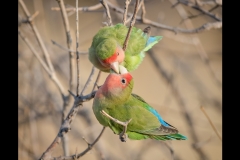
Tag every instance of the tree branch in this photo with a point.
(77, 44)
(89, 80)
(44, 65)
(84, 9)
(204, 27)
(200, 49)
(76, 156)
(66, 125)
(39, 39)
(69, 42)
(66, 49)
(127, 2)
(187, 3)
(209, 120)
(169, 80)
(105, 5)
(131, 25)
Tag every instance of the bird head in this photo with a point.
(110, 54)
(118, 87)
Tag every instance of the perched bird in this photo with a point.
(127, 114)
(106, 49)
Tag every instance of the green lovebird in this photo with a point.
(106, 49)
(115, 99)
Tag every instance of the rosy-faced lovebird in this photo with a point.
(106, 49)
(116, 99)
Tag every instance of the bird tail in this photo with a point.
(152, 41)
(168, 137)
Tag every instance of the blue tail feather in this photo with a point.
(152, 41)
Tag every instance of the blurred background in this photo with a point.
(178, 75)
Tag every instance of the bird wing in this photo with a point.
(163, 129)
(152, 41)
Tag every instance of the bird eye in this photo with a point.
(123, 81)
(118, 53)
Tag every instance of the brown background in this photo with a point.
(179, 55)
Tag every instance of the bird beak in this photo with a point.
(123, 70)
(115, 67)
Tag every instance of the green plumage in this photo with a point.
(119, 103)
(109, 37)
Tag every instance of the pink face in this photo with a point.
(118, 56)
(114, 83)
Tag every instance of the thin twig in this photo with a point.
(89, 80)
(131, 25)
(127, 2)
(187, 3)
(169, 80)
(44, 65)
(39, 39)
(77, 44)
(200, 49)
(66, 49)
(71, 69)
(105, 5)
(139, 6)
(84, 9)
(209, 120)
(204, 27)
(69, 42)
(90, 146)
(65, 127)
(97, 79)
(195, 16)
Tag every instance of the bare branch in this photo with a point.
(97, 79)
(66, 125)
(139, 6)
(131, 25)
(187, 3)
(204, 27)
(71, 68)
(125, 11)
(66, 49)
(200, 49)
(77, 44)
(209, 120)
(73, 157)
(84, 9)
(39, 39)
(195, 16)
(213, 2)
(44, 65)
(89, 80)
(169, 80)
(33, 16)
(69, 42)
(105, 5)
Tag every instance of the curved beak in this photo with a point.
(122, 69)
(115, 67)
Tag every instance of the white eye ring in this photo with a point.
(123, 80)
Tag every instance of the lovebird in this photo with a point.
(106, 49)
(116, 100)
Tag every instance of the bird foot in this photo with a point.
(122, 135)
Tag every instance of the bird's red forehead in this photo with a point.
(111, 59)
